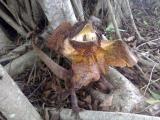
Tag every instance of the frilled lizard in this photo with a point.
(90, 57)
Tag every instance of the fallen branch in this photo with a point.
(66, 114)
(13, 104)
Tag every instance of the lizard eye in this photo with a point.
(84, 38)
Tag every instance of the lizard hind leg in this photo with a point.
(74, 102)
(103, 85)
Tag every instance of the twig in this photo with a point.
(145, 109)
(154, 58)
(152, 82)
(114, 19)
(150, 79)
(145, 56)
(42, 82)
(147, 42)
(148, 62)
(140, 69)
(29, 78)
